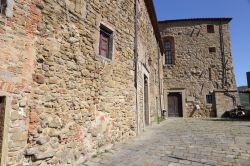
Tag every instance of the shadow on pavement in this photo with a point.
(228, 119)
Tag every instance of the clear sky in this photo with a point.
(239, 10)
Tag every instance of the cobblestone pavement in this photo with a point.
(178, 142)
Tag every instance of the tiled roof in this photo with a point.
(228, 19)
(245, 90)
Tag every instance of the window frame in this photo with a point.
(105, 31)
(209, 99)
(170, 58)
(210, 29)
(3, 6)
(212, 50)
(210, 74)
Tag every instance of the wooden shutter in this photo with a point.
(104, 44)
(3, 5)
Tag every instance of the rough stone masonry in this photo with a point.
(201, 68)
(62, 97)
(77, 76)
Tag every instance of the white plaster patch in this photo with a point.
(9, 9)
(21, 111)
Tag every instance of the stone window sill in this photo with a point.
(168, 65)
(104, 59)
(209, 105)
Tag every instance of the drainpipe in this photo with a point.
(159, 80)
(224, 66)
(136, 62)
(223, 59)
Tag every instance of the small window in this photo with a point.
(212, 49)
(3, 5)
(106, 42)
(155, 76)
(209, 99)
(210, 74)
(210, 29)
(169, 50)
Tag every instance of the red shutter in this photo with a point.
(104, 45)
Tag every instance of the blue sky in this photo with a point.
(239, 10)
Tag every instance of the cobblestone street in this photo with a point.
(177, 142)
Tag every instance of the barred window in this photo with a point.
(209, 99)
(169, 50)
(212, 50)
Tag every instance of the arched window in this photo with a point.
(169, 50)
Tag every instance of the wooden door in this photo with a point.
(174, 105)
(2, 115)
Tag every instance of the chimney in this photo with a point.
(248, 79)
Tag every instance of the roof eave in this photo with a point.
(154, 21)
(227, 19)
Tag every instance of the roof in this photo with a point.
(154, 21)
(245, 90)
(227, 19)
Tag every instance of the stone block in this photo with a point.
(44, 155)
(19, 136)
(38, 78)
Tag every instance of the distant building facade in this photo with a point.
(245, 92)
(198, 72)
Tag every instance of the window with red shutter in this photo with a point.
(3, 5)
(105, 45)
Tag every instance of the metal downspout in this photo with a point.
(224, 67)
(223, 59)
(136, 62)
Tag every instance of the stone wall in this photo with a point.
(148, 51)
(224, 103)
(83, 101)
(194, 62)
(66, 100)
(17, 45)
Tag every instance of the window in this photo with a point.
(209, 99)
(106, 42)
(210, 74)
(210, 29)
(3, 5)
(212, 50)
(155, 76)
(169, 50)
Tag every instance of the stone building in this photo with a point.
(244, 92)
(75, 77)
(198, 72)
